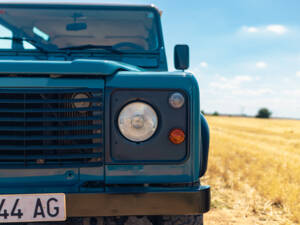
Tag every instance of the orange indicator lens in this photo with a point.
(176, 136)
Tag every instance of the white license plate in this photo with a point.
(32, 207)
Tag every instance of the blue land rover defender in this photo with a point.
(93, 127)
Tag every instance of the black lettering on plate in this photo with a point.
(2, 203)
(19, 214)
(38, 211)
(56, 209)
(4, 214)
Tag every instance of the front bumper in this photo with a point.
(154, 203)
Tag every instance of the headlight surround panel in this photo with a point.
(158, 148)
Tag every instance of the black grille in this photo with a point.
(42, 127)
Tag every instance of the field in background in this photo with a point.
(254, 170)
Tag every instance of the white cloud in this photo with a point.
(264, 91)
(292, 93)
(261, 65)
(221, 85)
(230, 84)
(272, 28)
(223, 79)
(239, 86)
(298, 73)
(277, 29)
(198, 68)
(203, 64)
(253, 92)
(257, 78)
(250, 29)
(240, 79)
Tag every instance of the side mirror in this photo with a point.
(181, 57)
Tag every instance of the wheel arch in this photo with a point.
(205, 139)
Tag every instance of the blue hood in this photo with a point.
(76, 67)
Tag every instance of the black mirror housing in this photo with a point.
(181, 57)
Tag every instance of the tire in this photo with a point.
(154, 220)
(182, 220)
(127, 220)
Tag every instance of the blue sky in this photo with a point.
(244, 53)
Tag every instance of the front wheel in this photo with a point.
(154, 220)
(182, 220)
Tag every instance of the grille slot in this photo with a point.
(41, 127)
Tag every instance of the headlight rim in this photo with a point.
(157, 119)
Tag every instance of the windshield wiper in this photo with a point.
(89, 46)
(30, 40)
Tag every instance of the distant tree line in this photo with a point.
(262, 113)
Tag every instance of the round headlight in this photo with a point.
(137, 121)
(81, 104)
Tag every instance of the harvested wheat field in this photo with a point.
(254, 171)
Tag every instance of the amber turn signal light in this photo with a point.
(177, 136)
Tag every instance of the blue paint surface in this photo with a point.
(76, 67)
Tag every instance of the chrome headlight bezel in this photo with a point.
(137, 121)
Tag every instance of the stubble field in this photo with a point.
(254, 171)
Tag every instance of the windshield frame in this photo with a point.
(87, 6)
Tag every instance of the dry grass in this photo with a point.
(259, 161)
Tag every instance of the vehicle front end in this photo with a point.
(91, 130)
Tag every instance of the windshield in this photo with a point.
(124, 29)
